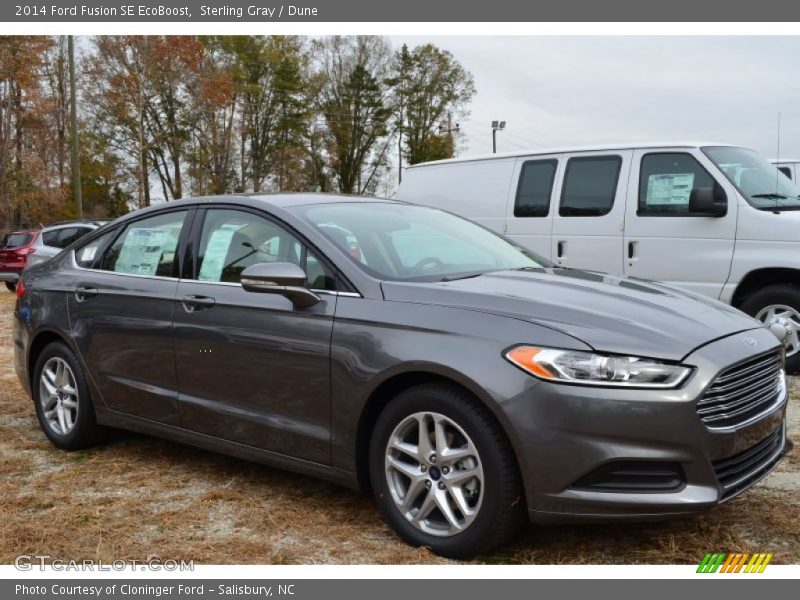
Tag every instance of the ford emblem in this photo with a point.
(750, 341)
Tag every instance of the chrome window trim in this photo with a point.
(76, 266)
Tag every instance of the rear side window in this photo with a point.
(147, 247)
(71, 234)
(88, 256)
(15, 240)
(50, 238)
(666, 182)
(534, 188)
(590, 185)
(786, 171)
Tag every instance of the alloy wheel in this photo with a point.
(58, 395)
(434, 474)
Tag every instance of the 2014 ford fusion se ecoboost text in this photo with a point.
(464, 381)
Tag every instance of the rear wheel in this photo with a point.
(778, 307)
(11, 286)
(61, 396)
(443, 472)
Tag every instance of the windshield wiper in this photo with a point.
(771, 196)
(457, 276)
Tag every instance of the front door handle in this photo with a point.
(561, 247)
(193, 303)
(632, 248)
(84, 293)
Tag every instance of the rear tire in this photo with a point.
(11, 286)
(783, 300)
(61, 397)
(485, 482)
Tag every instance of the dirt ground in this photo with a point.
(138, 497)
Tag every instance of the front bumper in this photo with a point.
(569, 431)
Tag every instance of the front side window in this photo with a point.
(666, 183)
(535, 186)
(233, 240)
(147, 246)
(590, 186)
(50, 238)
(400, 242)
(761, 184)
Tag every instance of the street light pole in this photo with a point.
(496, 126)
(76, 155)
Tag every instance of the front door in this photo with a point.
(253, 368)
(664, 241)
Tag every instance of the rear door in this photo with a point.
(529, 218)
(663, 240)
(121, 314)
(588, 224)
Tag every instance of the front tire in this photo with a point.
(61, 396)
(443, 472)
(778, 307)
(11, 286)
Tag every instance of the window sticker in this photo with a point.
(141, 252)
(87, 254)
(216, 251)
(672, 188)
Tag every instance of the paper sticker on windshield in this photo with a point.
(141, 252)
(87, 254)
(216, 252)
(673, 188)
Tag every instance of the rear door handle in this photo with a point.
(560, 247)
(632, 247)
(84, 293)
(193, 303)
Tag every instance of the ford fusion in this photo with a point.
(465, 382)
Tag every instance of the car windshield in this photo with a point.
(15, 240)
(761, 183)
(402, 242)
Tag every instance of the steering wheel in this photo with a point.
(425, 262)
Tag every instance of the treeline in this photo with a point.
(162, 117)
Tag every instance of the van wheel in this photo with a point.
(443, 472)
(62, 401)
(11, 286)
(778, 307)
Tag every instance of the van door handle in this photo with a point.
(193, 303)
(84, 293)
(560, 247)
(632, 247)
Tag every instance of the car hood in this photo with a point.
(620, 316)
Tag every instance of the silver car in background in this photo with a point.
(55, 238)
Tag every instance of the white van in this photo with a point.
(788, 166)
(714, 219)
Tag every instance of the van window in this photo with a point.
(666, 182)
(786, 171)
(535, 186)
(590, 185)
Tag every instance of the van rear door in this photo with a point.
(663, 240)
(529, 211)
(588, 221)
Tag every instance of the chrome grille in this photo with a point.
(737, 473)
(742, 392)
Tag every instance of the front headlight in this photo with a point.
(588, 368)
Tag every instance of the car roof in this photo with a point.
(62, 224)
(569, 149)
(277, 200)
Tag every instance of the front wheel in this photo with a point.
(443, 472)
(11, 286)
(778, 307)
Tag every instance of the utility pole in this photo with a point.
(76, 153)
(450, 130)
(496, 126)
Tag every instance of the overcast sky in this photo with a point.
(566, 91)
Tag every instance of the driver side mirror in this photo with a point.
(282, 278)
(709, 201)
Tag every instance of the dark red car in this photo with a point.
(15, 249)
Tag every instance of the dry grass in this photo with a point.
(138, 496)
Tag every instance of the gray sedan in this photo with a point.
(467, 383)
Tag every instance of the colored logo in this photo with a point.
(738, 562)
